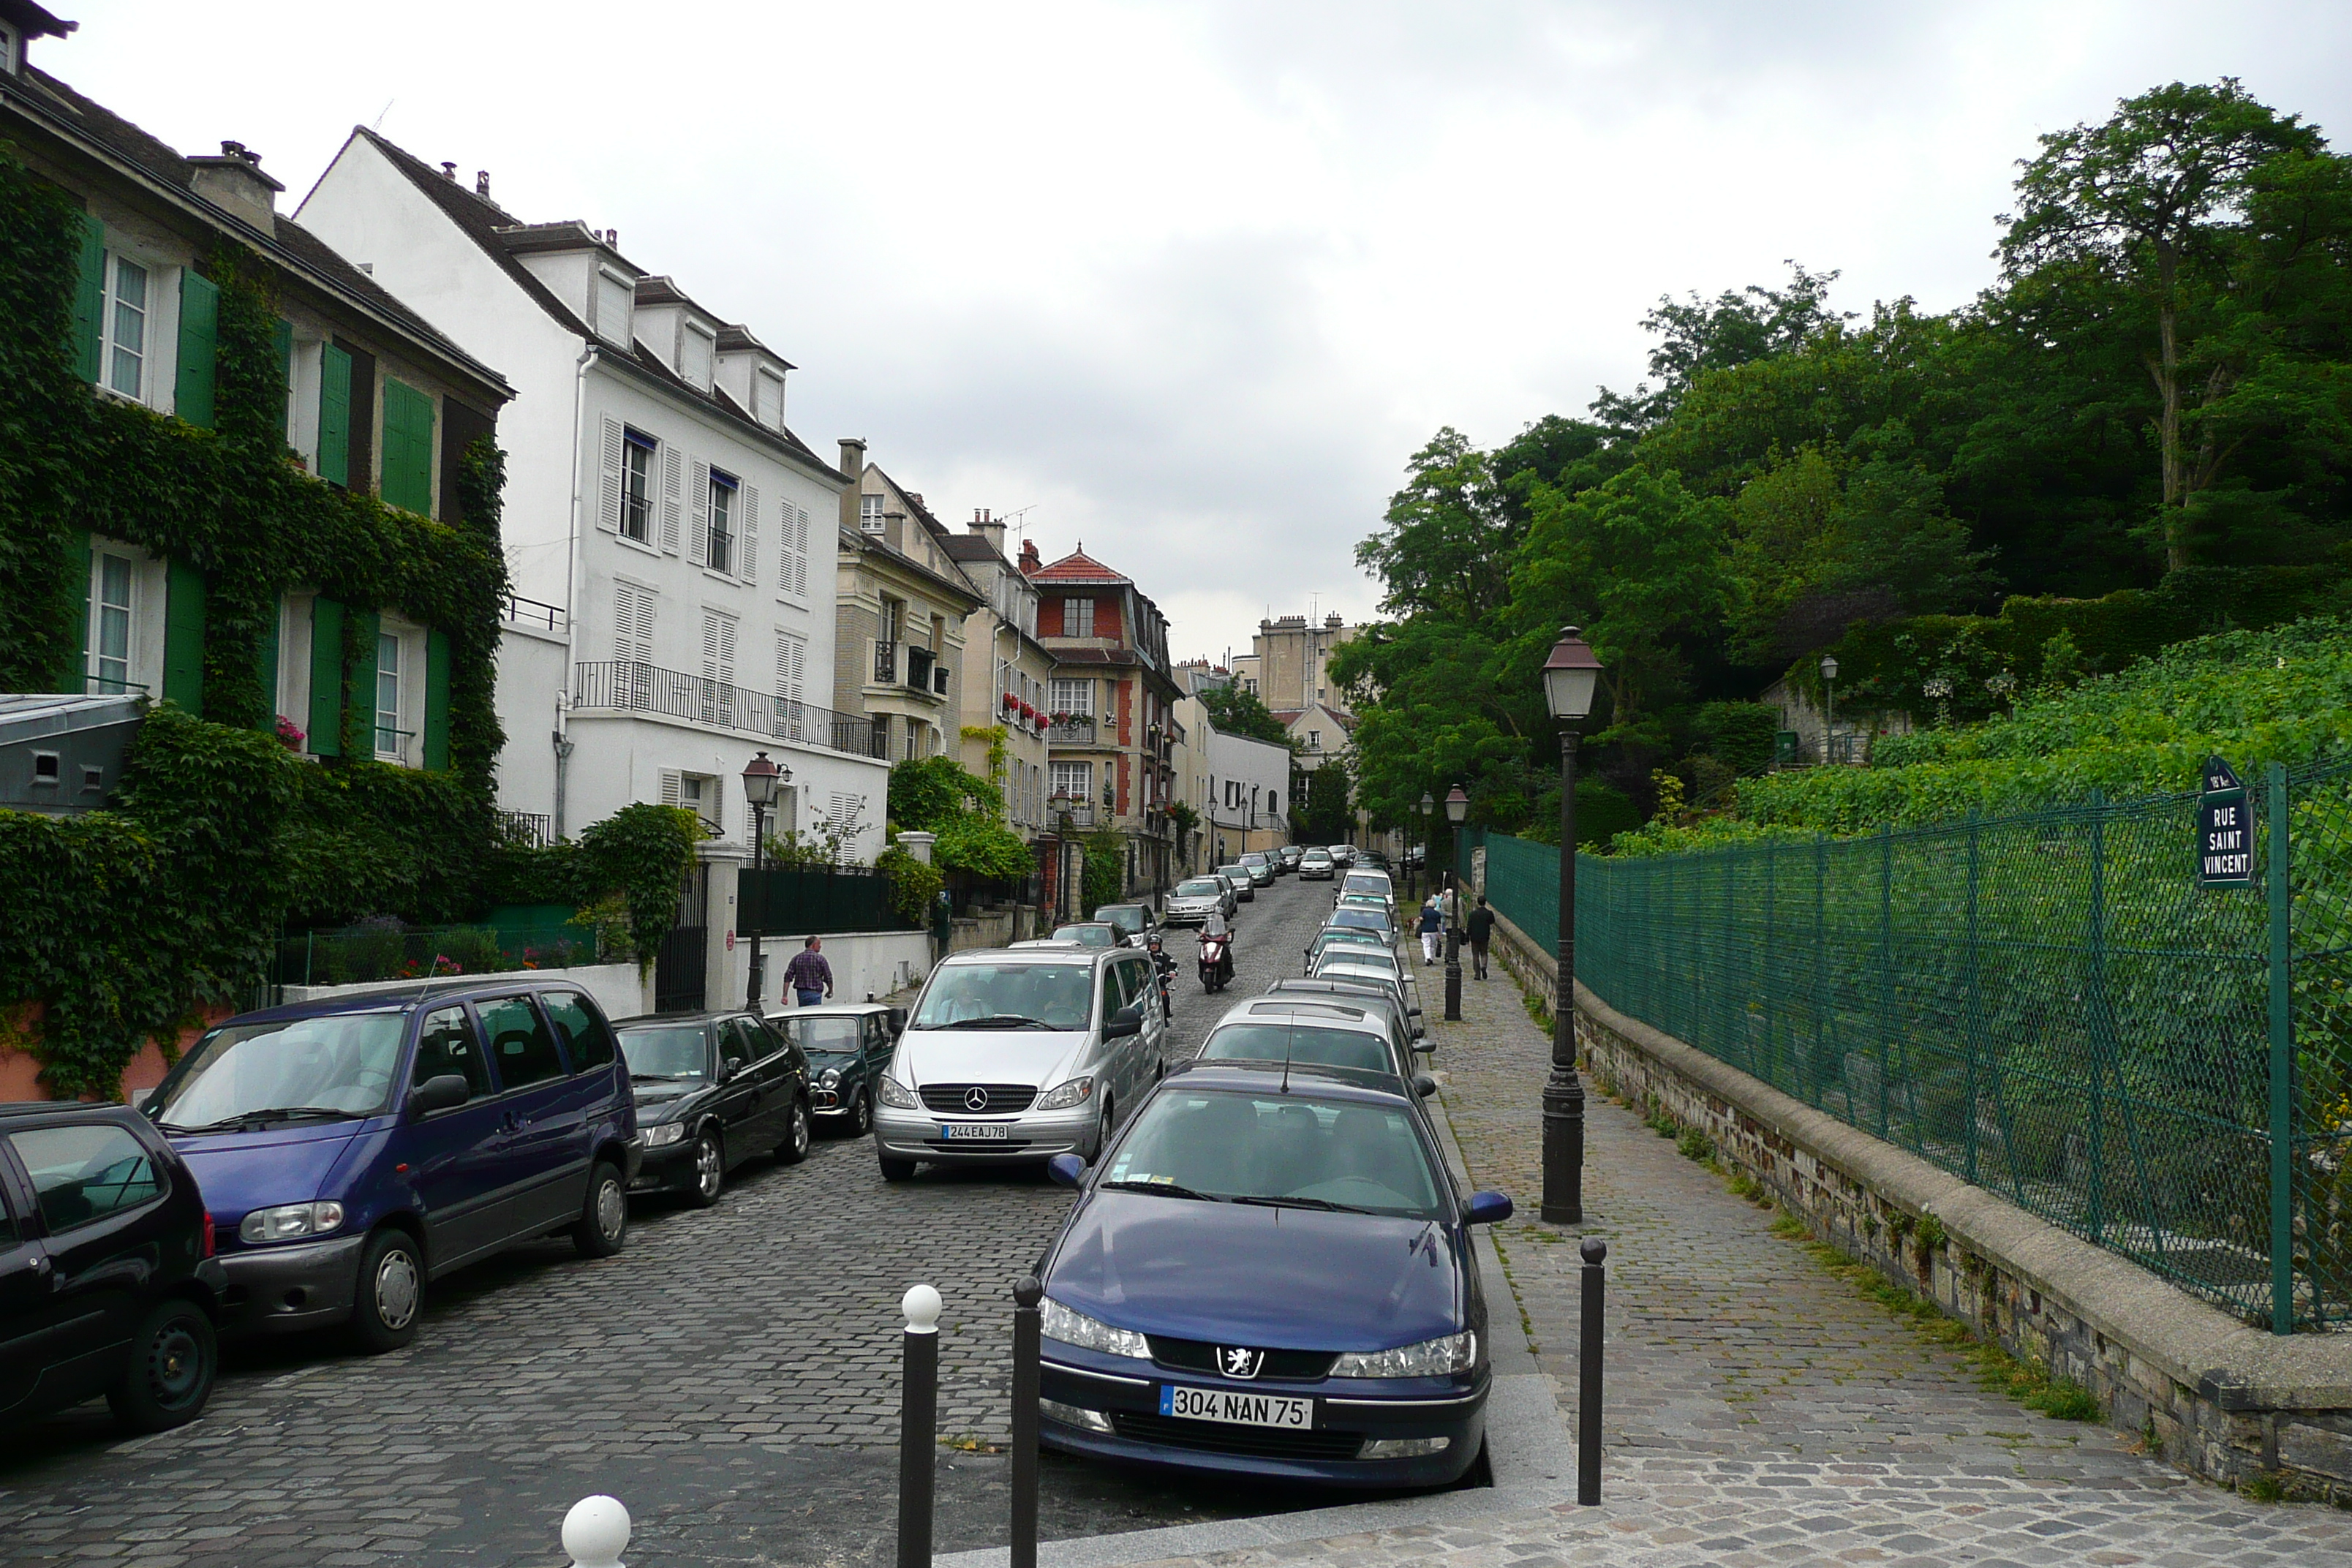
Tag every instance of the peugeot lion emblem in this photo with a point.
(1239, 1361)
(975, 1098)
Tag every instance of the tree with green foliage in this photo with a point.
(939, 796)
(1737, 327)
(1236, 710)
(1104, 879)
(641, 853)
(1324, 811)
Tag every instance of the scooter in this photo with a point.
(1216, 962)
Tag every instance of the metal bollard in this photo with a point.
(1025, 1296)
(1588, 1373)
(1453, 976)
(595, 1532)
(918, 1426)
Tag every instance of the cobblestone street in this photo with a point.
(732, 1376)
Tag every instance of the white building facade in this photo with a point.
(669, 537)
(1249, 787)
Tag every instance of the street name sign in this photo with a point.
(2225, 838)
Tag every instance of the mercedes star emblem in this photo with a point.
(975, 1098)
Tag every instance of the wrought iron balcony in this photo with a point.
(1077, 730)
(634, 687)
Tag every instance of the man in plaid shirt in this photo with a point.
(809, 975)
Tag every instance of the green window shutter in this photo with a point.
(199, 333)
(335, 416)
(436, 699)
(77, 678)
(407, 448)
(368, 625)
(90, 297)
(326, 677)
(283, 336)
(269, 670)
(184, 636)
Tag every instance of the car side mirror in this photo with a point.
(1428, 1047)
(1068, 1170)
(729, 1068)
(1424, 1085)
(1127, 1021)
(1486, 1209)
(440, 1092)
(897, 1017)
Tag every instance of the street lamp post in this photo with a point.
(1570, 676)
(1420, 882)
(1457, 810)
(762, 779)
(1062, 826)
(1829, 731)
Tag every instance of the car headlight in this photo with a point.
(662, 1134)
(898, 1095)
(1431, 1358)
(829, 1079)
(1063, 1095)
(291, 1222)
(1056, 1321)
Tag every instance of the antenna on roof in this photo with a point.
(382, 112)
(1289, 1033)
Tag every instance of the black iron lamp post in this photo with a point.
(1062, 826)
(1457, 811)
(1829, 729)
(1421, 883)
(1570, 676)
(762, 779)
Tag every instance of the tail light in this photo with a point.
(208, 1235)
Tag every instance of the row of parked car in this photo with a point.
(319, 1164)
(1268, 1270)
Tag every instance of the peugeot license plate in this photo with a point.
(1236, 1408)
(985, 1131)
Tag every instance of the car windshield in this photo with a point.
(1362, 919)
(1270, 1042)
(1089, 935)
(1284, 1149)
(1365, 883)
(677, 1050)
(306, 1068)
(1346, 954)
(1007, 996)
(1199, 887)
(831, 1034)
(1253, 860)
(1125, 919)
(1238, 873)
(1356, 936)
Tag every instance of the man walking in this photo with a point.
(809, 975)
(1482, 931)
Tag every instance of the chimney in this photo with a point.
(449, 171)
(482, 184)
(1031, 562)
(991, 529)
(1332, 623)
(234, 181)
(852, 464)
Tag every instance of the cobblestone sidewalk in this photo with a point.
(1760, 1411)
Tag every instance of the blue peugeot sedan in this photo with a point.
(351, 1150)
(1269, 1274)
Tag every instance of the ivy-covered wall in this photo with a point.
(121, 921)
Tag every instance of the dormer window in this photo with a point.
(695, 349)
(768, 398)
(11, 58)
(869, 513)
(616, 302)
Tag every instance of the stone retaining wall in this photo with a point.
(2218, 1398)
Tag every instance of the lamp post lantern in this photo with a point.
(762, 779)
(1829, 731)
(1570, 676)
(1457, 811)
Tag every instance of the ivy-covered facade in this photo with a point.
(247, 483)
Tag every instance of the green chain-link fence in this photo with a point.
(2046, 1005)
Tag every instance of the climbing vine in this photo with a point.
(121, 923)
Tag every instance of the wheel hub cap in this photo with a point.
(396, 1289)
(612, 1208)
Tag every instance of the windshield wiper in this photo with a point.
(1159, 1189)
(275, 1113)
(1303, 1203)
(1001, 1021)
(660, 1076)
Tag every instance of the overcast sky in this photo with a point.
(1191, 282)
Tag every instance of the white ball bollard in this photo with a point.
(596, 1531)
(921, 1306)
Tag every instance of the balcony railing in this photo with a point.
(886, 663)
(918, 669)
(534, 829)
(647, 689)
(530, 613)
(1073, 732)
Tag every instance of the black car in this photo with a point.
(712, 1089)
(107, 1281)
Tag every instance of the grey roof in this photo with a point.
(27, 715)
(496, 231)
(68, 113)
(972, 547)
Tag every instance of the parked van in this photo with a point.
(351, 1150)
(1018, 1055)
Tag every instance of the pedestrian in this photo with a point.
(1482, 931)
(1433, 925)
(809, 975)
